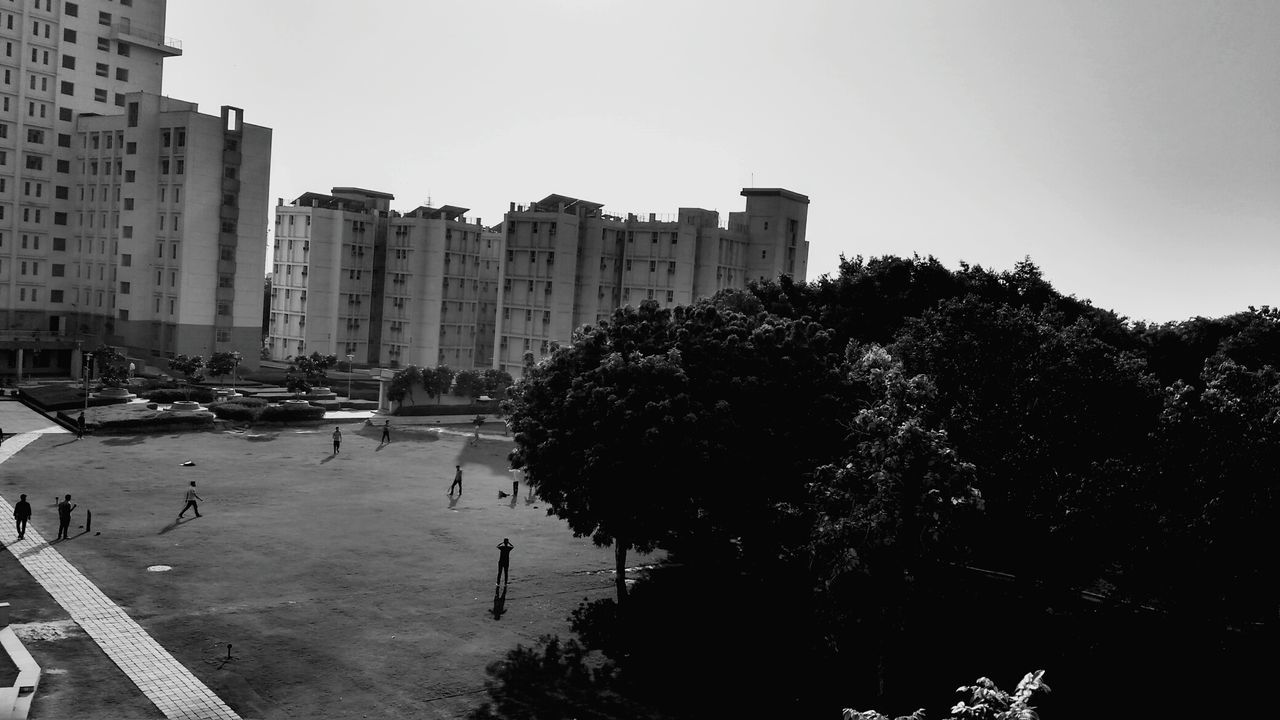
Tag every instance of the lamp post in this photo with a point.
(84, 370)
(350, 357)
(235, 354)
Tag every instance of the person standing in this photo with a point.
(457, 480)
(337, 440)
(22, 513)
(64, 517)
(386, 432)
(80, 426)
(504, 562)
(191, 498)
(515, 481)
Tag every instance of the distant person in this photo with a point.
(457, 481)
(80, 426)
(337, 440)
(22, 513)
(515, 481)
(477, 421)
(504, 562)
(191, 497)
(386, 432)
(64, 517)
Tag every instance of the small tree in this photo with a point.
(440, 380)
(110, 364)
(190, 366)
(494, 383)
(467, 383)
(221, 364)
(309, 371)
(403, 382)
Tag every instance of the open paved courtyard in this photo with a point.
(347, 585)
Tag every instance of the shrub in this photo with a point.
(162, 420)
(250, 402)
(290, 413)
(236, 411)
(471, 409)
(172, 394)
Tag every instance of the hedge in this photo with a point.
(253, 409)
(286, 413)
(169, 395)
(164, 420)
(472, 409)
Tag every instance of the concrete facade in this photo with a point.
(126, 218)
(353, 277)
(567, 263)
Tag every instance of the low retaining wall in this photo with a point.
(15, 700)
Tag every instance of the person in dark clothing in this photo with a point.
(22, 513)
(386, 432)
(80, 427)
(457, 480)
(504, 561)
(191, 498)
(64, 517)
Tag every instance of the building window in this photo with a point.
(224, 309)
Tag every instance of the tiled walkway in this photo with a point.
(174, 690)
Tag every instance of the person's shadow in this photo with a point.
(176, 522)
(453, 501)
(328, 459)
(499, 602)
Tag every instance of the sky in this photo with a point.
(1130, 148)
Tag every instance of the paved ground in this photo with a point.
(347, 586)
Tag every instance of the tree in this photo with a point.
(467, 384)
(221, 364)
(675, 403)
(494, 383)
(441, 380)
(985, 701)
(110, 366)
(403, 382)
(191, 366)
(307, 372)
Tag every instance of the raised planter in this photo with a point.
(185, 405)
(115, 393)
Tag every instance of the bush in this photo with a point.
(291, 413)
(236, 411)
(471, 409)
(172, 394)
(250, 402)
(163, 420)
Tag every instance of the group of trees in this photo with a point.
(438, 381)
(854, 478)
(195, 367)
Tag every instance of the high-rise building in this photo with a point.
(126, 218)
(353, 277)
(567, 263)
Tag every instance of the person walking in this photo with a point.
(191, 498)
(386, 432)
(22, 513)
(337, 440)
(80, 426)
(457, 480)
(64, 517)
(504, 562)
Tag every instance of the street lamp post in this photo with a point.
(84, 370)
(235, 354)
(349, 359)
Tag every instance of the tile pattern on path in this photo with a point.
(165, 681)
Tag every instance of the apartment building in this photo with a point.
(126, 218)
(352, 277)
(566, 262)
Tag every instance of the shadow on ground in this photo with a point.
(125, 440)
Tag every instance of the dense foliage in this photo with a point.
(874, 478)
(309, 371)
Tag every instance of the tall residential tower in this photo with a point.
(126, 218)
